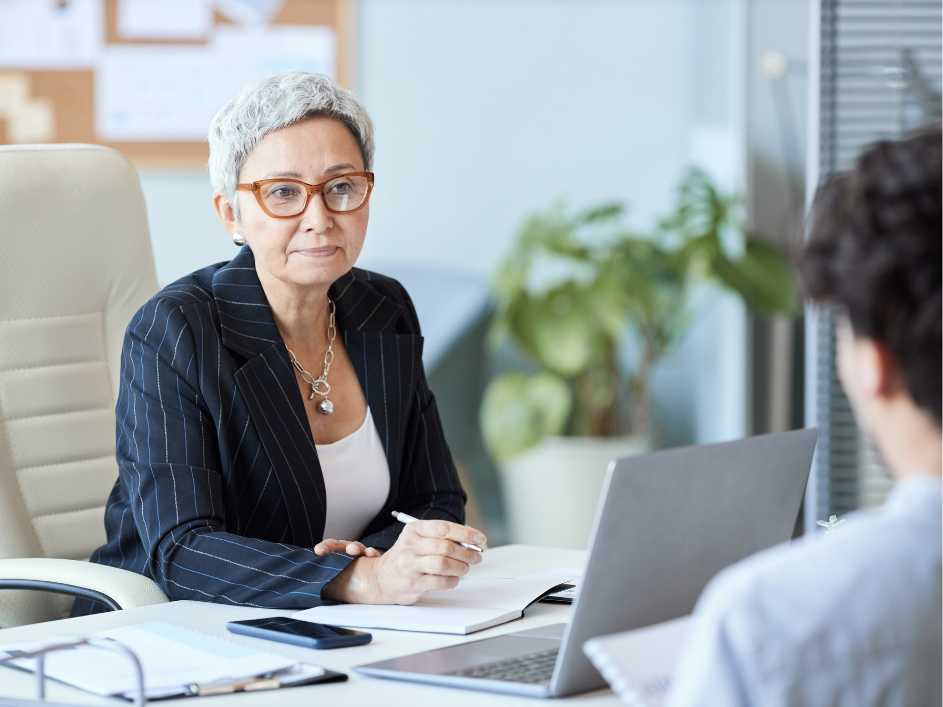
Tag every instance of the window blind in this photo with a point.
(879, 76)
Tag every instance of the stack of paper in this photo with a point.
(172, 658)
(638, 664)
(472, 606)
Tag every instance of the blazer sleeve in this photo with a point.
(169, 466)
(429, 487)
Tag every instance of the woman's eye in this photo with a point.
(341, 188)
(282, 192)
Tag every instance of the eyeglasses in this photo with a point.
(285, 198)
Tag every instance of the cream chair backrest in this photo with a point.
(75, 265)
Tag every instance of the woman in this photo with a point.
(273, 410)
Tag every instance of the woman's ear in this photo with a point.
(225, 214)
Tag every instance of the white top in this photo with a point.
(356, 480)
(846, 620)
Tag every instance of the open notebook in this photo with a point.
(472, 606)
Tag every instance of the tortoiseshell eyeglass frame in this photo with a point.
(256, 188)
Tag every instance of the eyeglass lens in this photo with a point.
(288, 198)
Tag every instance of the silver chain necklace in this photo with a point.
(320, 386)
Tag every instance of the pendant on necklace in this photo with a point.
(326, 406)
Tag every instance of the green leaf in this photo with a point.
(518, 411)
(560, 329)
(762, 277)
(603, 212)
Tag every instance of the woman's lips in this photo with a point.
(323, 252)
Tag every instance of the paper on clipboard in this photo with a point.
(172, 657)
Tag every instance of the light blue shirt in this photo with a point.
(843, 620)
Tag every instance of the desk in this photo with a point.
(508, 561)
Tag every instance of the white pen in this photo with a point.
(404, 518)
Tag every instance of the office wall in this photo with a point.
(486, 110)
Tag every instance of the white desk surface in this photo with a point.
(508, 561)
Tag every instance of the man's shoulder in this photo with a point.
(823, 596)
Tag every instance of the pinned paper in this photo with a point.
(27, 119)
(44, 34)
(164, 19)
(249, 12)
(171, 93)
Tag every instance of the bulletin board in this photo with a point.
(71, 93)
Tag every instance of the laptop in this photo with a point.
(666, 524)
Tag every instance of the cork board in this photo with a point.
(72, 92)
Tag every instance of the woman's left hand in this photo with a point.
(351, 547)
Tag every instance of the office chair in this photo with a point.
(75, 265)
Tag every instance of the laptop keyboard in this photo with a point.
(534, 668)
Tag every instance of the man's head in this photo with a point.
(874, 251)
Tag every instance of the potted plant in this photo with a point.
(568, 294)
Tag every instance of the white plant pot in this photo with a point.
(551, 491)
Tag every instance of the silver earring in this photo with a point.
(239, 238)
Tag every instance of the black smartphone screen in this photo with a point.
(283, 624)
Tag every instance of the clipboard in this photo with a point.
(286, 676)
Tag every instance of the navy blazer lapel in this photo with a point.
(360, 307)
(267, 383)
(386, 363)
(244, 313)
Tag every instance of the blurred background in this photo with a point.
(592, 203)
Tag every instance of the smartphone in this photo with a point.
(300, 633)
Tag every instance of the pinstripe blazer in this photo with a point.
(220, 495)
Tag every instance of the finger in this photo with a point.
(447, 530)
(371, 552)
(326, 546)
(437, 564)
(445, 548)
(436, 582)
(330, 545)
(354, 548)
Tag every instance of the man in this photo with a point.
(853, 618)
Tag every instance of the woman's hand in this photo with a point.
(351, 547)
(427, 557)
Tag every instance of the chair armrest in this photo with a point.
(117, 589)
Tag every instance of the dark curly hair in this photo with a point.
(874, 249)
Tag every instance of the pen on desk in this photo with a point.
(404, 518)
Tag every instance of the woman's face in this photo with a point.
(317, 246)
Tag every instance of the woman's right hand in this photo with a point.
(427, 557)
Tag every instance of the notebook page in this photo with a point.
(471, 606)
(431, 619)
(492, 593)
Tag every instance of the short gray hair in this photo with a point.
(272, 103)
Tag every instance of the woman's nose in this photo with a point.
(316, 216)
